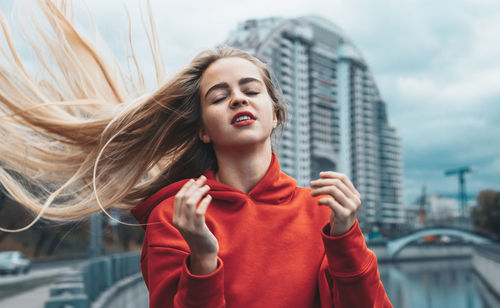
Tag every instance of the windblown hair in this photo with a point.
(85, 137)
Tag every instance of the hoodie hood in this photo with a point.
(274, 188)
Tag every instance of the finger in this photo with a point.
(345, 191)
(186, 201)
(335, 206)
(202, 208)
(190, 205)
(333, 182)
(186, 186)
(337, 194)
(195, 186)
(342, 177)
(179, 196)
(197, 195)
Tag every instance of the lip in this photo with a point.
(243, 113)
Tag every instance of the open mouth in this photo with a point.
(243, 118)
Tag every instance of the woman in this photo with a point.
(243, 234)
(224, 226)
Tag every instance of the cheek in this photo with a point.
(270, 116)
(211, 121)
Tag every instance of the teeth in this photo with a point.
(242, 118)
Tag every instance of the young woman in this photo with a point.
(243, 234)
(224, 226)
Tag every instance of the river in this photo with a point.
(435, 284)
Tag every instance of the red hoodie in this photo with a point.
(274, 251)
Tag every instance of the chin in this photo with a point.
(244, 142)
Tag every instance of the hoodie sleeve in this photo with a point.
(164, 260)
(349, 275)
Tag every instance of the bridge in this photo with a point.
(394, 246)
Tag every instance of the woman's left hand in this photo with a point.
(344, 201)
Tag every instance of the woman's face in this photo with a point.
(235, 105)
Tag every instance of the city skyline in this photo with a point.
(437, 69)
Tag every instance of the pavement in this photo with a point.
(34, 298)
(28, 290)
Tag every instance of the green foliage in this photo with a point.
(487, 213)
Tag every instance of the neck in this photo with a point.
(243, 168)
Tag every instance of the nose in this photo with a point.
(238, 99)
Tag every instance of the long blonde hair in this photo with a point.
(86, 137)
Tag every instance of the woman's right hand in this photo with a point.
(189, 219)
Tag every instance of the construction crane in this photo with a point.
(461, 182)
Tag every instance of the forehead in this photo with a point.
(229, 70)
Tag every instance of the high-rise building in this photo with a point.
(336, 117)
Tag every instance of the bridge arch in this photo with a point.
(396, 245)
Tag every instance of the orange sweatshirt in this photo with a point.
(274, 251)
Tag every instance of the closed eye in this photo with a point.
(219, 99)
(252, 93)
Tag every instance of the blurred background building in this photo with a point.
(337, 118)
(437, 210)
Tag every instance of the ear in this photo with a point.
(275, 120)
(203, 135)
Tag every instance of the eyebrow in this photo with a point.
(224, 85)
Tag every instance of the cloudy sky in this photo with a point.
(437, 64)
